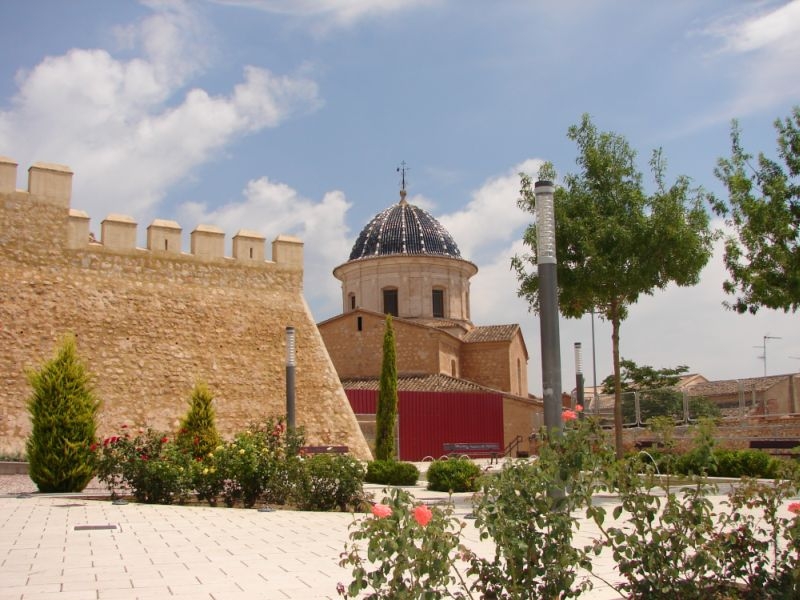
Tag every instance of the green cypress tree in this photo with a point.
(63, 410)
(386, 413)
(198, 431)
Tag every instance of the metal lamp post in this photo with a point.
(548, 306)
(290, 388)
(578, 374)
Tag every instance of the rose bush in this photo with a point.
(148, 464)
(666, 543)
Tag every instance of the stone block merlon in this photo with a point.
(52, 184)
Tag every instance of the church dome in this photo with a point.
(404, 229)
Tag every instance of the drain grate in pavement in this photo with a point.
(93, 527)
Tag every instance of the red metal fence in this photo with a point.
(429, 420)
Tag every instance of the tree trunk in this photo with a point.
(617, 379)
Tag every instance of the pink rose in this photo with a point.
(794, 507)
(578, 408)
(569, 415)
(381, 510)
(422, 515)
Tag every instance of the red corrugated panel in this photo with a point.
(429, 420)
(363, 402)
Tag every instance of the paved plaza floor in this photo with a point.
(56, 547)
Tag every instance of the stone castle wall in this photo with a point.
(150, 323)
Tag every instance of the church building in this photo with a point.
(462, 387)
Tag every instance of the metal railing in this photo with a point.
(685, 407)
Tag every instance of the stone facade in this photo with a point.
(363, 282)
(497, 361)
(150, 323)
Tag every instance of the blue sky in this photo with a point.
(291, 116)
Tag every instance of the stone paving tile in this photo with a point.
(173, 552)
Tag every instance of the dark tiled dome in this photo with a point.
(404, 229)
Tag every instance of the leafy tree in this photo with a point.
(198, 431)
(386, 412)
(658, 396)
(763, 209)
(614, 241)
(63, 410)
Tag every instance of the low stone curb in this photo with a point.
(13, 468)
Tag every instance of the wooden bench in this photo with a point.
(324, 450)
(473, 449)
(777, 447)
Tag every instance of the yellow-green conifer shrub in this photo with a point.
(198, 431)
(63, 410)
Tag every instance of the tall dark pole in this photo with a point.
(595, 396)
(578, 374)
(290, 365)
(548, 306)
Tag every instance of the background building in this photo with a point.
(458, 383)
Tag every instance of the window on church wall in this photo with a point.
(519, 377)
(453, 369)
(390, 302)
(352, 301)
(437, 298)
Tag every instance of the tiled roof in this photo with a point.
(419, 383)
(491, 333)
(404, 229)
(732, 386)
(437, 323)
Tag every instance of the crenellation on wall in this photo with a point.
(248, 245)
(78, 229)
(164, 236)
(118, 232)
(51, 182)
(8, 175)
(288, 250)
(208, 241)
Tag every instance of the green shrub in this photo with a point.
(328, 481)
(260, 464)
(242, 466)
(198, 430)
(392, 472)
(454, 475)
(745, 463)
(728, 463)
(63, 410)
(151, 465)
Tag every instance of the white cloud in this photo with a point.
(120, 126)
(765, 47)
(492, 216)
(333, 12)
(273, 208)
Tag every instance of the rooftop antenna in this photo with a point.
(402, 170)
(763, 347)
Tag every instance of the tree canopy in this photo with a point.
(614, 241)
(644, 377)
(763, 210)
